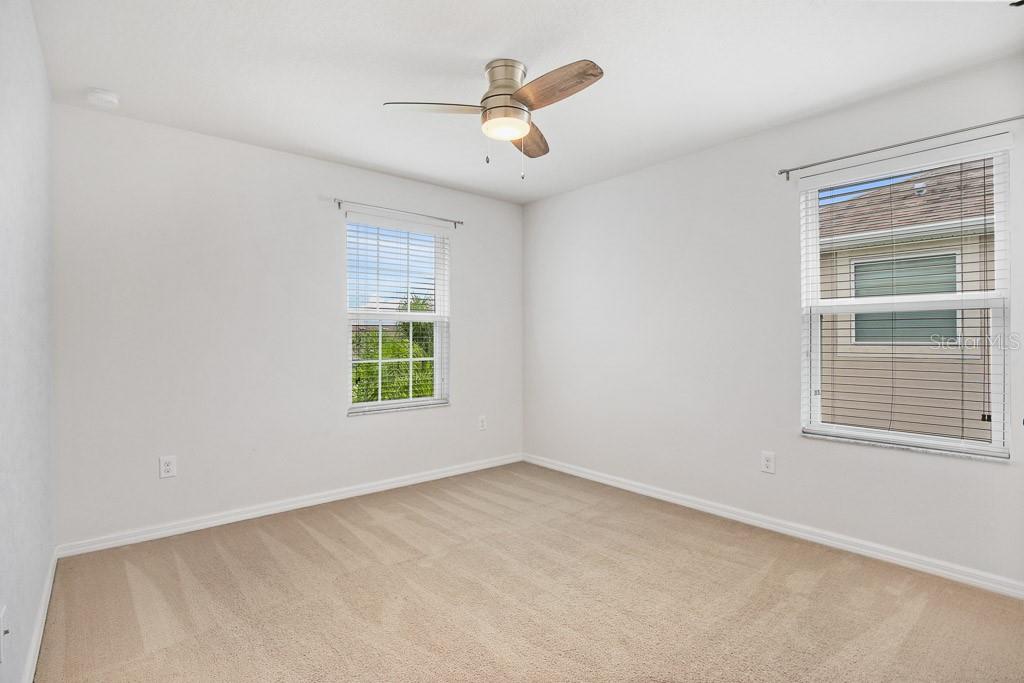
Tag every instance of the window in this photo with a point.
(398, 313)
(917, 275)
(905, 305)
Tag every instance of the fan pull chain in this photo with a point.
(522, 150)
(487, 155)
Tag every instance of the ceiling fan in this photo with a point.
(506, 108)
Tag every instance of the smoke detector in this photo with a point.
(102, 99)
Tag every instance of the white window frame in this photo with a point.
(441, 317)
(997, 300)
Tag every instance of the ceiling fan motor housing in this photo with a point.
(505, 109)
(505, 76)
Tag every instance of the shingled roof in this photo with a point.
(948, 193)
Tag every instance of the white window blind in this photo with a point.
(905, 306)
(398, 313)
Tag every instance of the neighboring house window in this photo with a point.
(905, 301)
(916, 275)
(398, 314)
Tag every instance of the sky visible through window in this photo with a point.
(843, 193)
(390, 270)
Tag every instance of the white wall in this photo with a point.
(663, 338)
(26, 469)
(200, 312)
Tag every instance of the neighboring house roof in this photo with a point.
(949, 193)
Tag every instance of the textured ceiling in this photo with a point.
(309, 76)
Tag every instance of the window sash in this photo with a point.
(413, 361)
(811, 411)
(389, 270)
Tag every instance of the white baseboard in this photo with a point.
(239, 514)
(949, 570)
(973, 577)
(37, 633)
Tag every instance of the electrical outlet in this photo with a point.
(168, 466)
(4, 631)
(768, 462)
(483, 422)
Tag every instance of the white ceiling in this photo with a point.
(309, 76)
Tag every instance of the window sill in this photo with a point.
(394, 407)
(991, 454)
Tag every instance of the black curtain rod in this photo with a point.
(787, 171)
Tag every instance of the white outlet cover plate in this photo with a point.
(168, 467)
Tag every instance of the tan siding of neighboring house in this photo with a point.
(885, 386)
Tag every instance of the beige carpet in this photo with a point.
(513, 574)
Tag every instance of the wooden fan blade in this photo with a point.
(558, 84)
(533, 145)
(436, 107)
